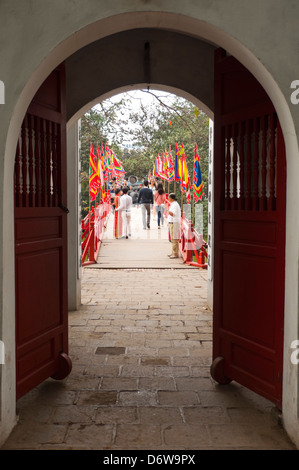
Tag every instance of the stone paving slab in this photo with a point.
(134, 384)
(141, 347)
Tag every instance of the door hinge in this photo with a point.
(65, 209)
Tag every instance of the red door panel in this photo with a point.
(40, 239)
(250, 185)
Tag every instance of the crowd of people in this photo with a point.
(151, 196)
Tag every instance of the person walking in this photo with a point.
(160, 198)
(111, 189)
(117, 228)
(134, 196)
(153, 187)
(126, 185)
(146, 199)
(125, 206)
(174, 220)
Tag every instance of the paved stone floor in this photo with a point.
(141, 351)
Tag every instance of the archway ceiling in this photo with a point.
(175, 60)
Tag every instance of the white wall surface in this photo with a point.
(35, 36)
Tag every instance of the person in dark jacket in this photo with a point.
(146, 199)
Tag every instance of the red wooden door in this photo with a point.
(40, 239)
(250, 199)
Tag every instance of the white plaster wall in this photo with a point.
(36, 36)
(211, 214)
(74, 217)
(2, 92)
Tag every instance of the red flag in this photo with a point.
(170, 169)
(116, 165)
(104, 164)
(108, 159)
(156, 168)
(177, 173)
(185, 174)
(99, 167)
(164, 167)
(93, 175)
(197, 183)
(160, 167)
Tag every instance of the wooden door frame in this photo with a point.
(219, 363)
(42, 350)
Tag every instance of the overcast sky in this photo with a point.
(138, 98)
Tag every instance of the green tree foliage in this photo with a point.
(138, 135)
(95, 127)
(136, 163)
(91, 131)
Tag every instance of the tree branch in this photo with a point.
(167, 106)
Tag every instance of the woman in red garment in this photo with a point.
(117, 230)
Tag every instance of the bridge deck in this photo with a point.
(144, 249)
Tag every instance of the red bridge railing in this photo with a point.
(92, 230)
(192, 245)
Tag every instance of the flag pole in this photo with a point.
(89, 211)
(193, 211)
(192, 200)
(89, 191)
(182, 177)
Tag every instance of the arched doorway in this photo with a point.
(251, 58)
(254, 169)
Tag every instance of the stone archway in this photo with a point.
(185, 25)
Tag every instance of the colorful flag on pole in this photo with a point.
(164, 167)
(117, 167)
(160, 167)
(170, 169)
(197, 183)
(185, 181)
(108, 159)
(94, 182)
(100, 167)
(100, 172)
(104, 164)
(177, 170)
(157, 167)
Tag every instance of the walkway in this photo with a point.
(144, 249)
(141, 351)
